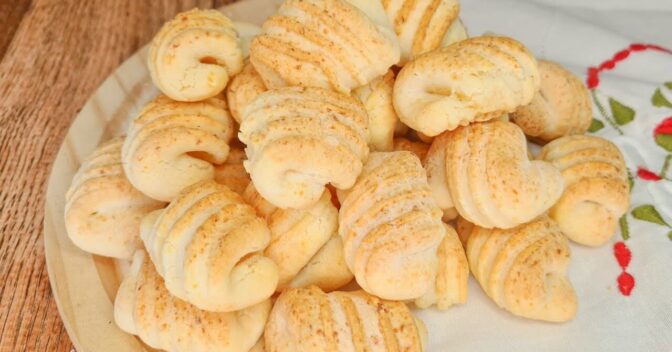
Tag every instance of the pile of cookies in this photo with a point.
(359, 143)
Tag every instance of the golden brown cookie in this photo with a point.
(524, 269)
(194, 55)
(102, 209)
(561, 107)
(596, 187)
(477, 79)
(309, 320)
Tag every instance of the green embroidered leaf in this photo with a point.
(648, 212)
(669, 235)
(665, 141)
(595, 126)
(659, 100)
(623, 114)
(631, 180)
(625, 229)
(668, 85)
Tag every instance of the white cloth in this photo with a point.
(580, 34)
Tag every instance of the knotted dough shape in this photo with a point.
(484, 171)
(561, 107)
(424, 25)
(308, 320)
(304, 243)
(477, 79)
(301, 139)
(596, 187)
(144, 307)
(172, 145)
(102, 209)
(194, 55)
(524, 269)
(333, 44)
(208, 246)
(394, 240)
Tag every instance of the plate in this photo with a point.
(84, 286)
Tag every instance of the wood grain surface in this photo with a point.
(54, 54)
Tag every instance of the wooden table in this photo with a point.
(54, 54)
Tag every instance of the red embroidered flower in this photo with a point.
(663, 134)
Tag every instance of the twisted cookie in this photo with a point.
(484, 171)
(561, 107)
(394, 240)
(304, 243)
(307, 320)
(422, 25)
(244, 87)
(172, 145)
(377, 100)
(300, 139)
(476, 79)
(332, 44)
(207, 245)
(524, 269)
(194, 55)
(102, 209)
(596, 192)
(144, 307)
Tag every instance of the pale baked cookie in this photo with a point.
(102, 209)
(244, 87)
(596, 187)
(194, 55)
(377, 100)
(144, 307)
(304, 243)
(232, 173)
(172, 145)
(301, 139)
(483, 170)
(476, 79)
(561, 107)
(332, 44)
(309, 320)
(208, 246)
(246, 32)
(524, 269)
(424, 25)
(394, 240)
(420, 149)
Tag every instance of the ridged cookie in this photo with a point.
(561, 107)
(232, 173)
(524, 269)
(194, 55)
(144, 307)
(244, 87)
(208, 246)
(332, 44)
(304, 243)
(172, 145)
(300, 139)
(477, 79)
(102, 209)
(484, 171)
(309, 320)
(394, 240)
(377, 100)
(596, 187)
(422, 25)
